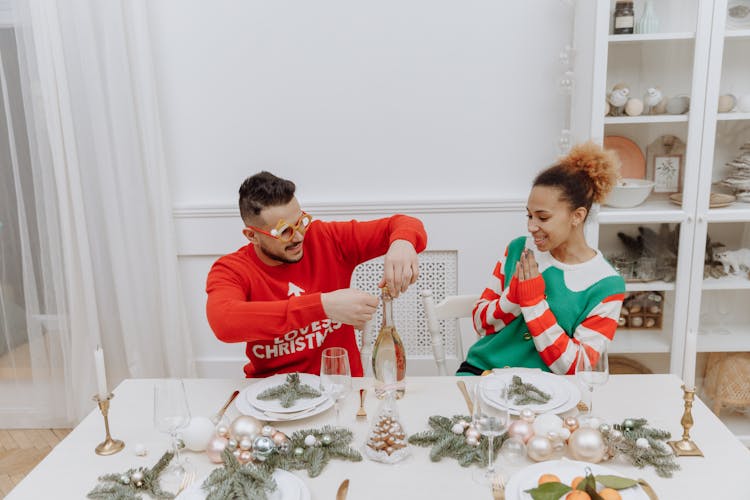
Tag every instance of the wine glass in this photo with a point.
(335, 376)
(592, 368)
(490, 420)
(171, 414)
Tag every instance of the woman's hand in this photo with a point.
(526, 267)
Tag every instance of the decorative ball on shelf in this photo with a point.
(245, 426)
(513, 450)
(198, 433)
(539, 448)
(587, 445)
(634, 107)
(727, 103)
(522, 430)
(215, 447)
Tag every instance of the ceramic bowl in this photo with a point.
(629, 193)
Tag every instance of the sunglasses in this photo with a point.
(285, 231)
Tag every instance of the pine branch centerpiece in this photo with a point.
(455, 437)
(133, 483)
(523, 393)
(641, 444)
(312, 449)
(290, 391)
(239, 481)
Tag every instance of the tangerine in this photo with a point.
(610, 494)
(576, 481)
(548, 478)
(577, 495)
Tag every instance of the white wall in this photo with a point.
(444, 109)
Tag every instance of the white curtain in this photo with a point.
(94, 239)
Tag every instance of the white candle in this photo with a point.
(691, 354)
(101, 374)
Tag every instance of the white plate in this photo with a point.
(244, 407)
(566, 470)
(274, 405)
(288, 487)
(565, 394)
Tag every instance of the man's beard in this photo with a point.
(278, 257)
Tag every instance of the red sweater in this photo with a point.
(277, 310)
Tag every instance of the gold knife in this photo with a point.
(469, 405)
(343, 490)
(648, 489)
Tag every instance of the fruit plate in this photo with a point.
(528, 477)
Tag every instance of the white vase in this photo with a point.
(648, 23)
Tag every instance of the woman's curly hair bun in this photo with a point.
(600, 165)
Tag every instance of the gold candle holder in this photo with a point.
(685, 447)
(109, 446)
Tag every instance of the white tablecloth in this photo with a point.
(71, 469)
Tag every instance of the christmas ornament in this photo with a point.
(198, 433)
(587, 445)
(263, 446)
(298, 452)
(133, 483)
(528, 415)
(267, 430)
(387, 440)
(521, 429)
(232, 444)
(244, 456)
(547, 422)
(245, 444)
(215, 448)
(279, 438)
(315, 458)
(245, 426)
(539, 448)
(225, 482)
(222, 430)
(642, 443)
(570, 423)
(513, 450)
(310, 440)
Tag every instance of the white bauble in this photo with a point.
(198, 433)
(513, 450)
(539, 448)
(547, 422)
(521, 429)
(245, 426)
(587, 444)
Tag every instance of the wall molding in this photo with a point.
(438, 206)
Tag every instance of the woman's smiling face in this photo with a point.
(551, 220)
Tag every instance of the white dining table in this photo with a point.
(72, 468)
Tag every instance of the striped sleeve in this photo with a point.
(556, 348)
(496, 306)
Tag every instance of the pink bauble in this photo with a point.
(521, 429)
(245, 456)
(215, 448)
(279, 438)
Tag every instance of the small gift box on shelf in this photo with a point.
(643, 310)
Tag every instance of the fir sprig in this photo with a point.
(524, 393)
(290, 391)
(658, 454)
(331, 442)
(445, 443)
(112, 486)
(238, 481)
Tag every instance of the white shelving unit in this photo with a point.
(692, 55)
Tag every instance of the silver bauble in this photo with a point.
(521, 429)
(628, 424)
(285, 447)
(232, 444)
(605, 428)
(245, 426)
(587, 445)
(513, 450)
(539, 448)
(326, 439)
(263, 447)
(528, 415)
(298, 452)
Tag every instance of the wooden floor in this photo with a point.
(21, 450)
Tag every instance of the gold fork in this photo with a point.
(187, 480)
(498, 488)
(361, 411)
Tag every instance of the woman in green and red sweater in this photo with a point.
(561, 292)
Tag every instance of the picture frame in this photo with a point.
(667, 173)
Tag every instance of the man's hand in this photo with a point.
(349, 306)
(401, 267)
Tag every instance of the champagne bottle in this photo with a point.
(388, 354)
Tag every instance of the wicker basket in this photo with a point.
(624, 365)
(727, 380)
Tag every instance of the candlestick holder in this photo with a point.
(109, 446)
(685, 447)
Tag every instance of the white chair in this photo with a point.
(452, 307)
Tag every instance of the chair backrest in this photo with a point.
(452, 307)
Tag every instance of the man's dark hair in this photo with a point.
(263, 190)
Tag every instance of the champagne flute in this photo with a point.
(592, 368)
(335, 376)
(491, 420)
(171, 414)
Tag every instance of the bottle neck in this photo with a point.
(387, 311)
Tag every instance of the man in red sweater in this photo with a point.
(287, 293)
